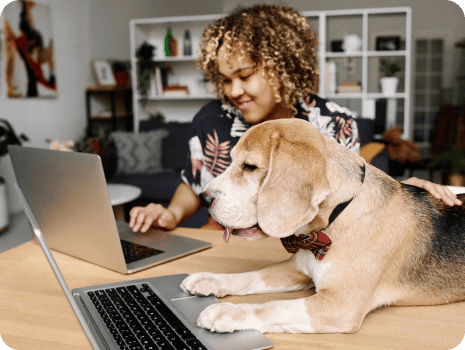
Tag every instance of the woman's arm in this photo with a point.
(439, 191)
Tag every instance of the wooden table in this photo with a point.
(34, 313)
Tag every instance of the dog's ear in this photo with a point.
(293, 189)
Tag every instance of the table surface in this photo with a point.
(122, 193)
(35, 313)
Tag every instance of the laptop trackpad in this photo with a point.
(238, 340)
(122, 226)
(191, 307)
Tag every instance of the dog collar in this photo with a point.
(317, 241)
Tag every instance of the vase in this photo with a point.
(389, 85)
(4, 215)
(122, 78)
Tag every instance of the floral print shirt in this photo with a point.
(217, 127)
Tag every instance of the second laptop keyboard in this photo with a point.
(134, 252)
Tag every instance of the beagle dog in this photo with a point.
(362, 239)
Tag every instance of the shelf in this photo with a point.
(176, 59)
(184, 98)
(370, 95)
(115, 117)
(174, 20)
(365, 53)
(107, 88)
(109, 118)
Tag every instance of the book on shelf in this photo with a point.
(157, 88)
(158, 81)
(175, 90)
(156, 85)
(153, 91)
(349, 87)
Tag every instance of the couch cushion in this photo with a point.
(365, 130)
(175, 146)
(139, 153)
(157, 187)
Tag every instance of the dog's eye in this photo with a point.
(249, 167)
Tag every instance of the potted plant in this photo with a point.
(121, 70)
(145, 67)
(96, 141)
(7, 137)
(389, 82)
(453, 162)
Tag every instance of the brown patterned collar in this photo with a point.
(317, 241)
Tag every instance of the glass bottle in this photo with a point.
(173, 47)
(187, 50)
(168, 38)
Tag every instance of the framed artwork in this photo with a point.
(387, 43)
(29, 51)
(103, 73)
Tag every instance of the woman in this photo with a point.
(263, 63)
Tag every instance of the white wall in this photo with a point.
(61, 117)
(109, 20)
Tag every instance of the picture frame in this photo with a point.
(103, 73)
(29, 63)
(387, 43)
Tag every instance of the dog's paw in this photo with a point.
(226, 317)
(204, 283)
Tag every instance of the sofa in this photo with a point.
(170, 142)
(167, 151)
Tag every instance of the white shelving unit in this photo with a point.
(153, 30)
(366, 96)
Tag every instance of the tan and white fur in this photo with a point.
(393, 245)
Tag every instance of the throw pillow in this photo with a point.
(139, 153)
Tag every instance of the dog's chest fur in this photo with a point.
(317, 270)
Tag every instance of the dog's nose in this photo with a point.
(206, 199)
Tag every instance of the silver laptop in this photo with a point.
(68, 195)
(151, 313)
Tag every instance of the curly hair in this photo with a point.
(278, 38)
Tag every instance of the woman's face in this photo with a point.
(247, 86)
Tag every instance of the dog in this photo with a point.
(361, 238)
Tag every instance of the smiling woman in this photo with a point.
(262, 61)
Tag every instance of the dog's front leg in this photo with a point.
(282, 277)
(323, 312)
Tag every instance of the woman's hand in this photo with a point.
(153, 215)
(439, 191)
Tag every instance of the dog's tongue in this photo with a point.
(227, 234)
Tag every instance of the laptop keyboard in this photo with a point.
(139, 320)
(135, 252)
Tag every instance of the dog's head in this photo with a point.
(275, 183)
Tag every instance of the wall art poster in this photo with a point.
(28, 47)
